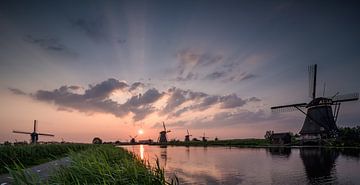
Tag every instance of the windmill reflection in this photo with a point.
(279, 151)
(319, 163)
(163, 155)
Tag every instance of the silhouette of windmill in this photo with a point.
(34, 135)
(163, 138)
(320, 121)
(187, 137)
(133, 141)
(204, 138)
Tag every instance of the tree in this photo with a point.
(268, 134)
(97, 140)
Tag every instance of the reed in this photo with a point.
(29, 155)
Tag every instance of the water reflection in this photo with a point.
(163, 155)
(278, 165)
(279, 151)
(142, 152)
(319, 163)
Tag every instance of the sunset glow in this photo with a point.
(118, 68)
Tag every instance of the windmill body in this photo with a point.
(321, 112)
(187, 137)
(33, 135)
(132, 139)
(163, 137)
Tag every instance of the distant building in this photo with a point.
(147, 141)
(280, 138)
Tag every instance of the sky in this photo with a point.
(107, 69)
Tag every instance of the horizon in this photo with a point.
(109, 69)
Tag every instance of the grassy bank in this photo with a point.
(29, 155)
(102, 165)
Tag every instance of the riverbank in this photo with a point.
(103, 164)
(30, 155)
(252, 143)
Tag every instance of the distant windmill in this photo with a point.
(204, 138)
(320, 121)
(34, 135)
(133, 141)
(163, 138)
(187, 137)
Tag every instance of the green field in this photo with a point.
(29, 155)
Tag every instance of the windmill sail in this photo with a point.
(312, 81)
(288, 108)
(346, 97)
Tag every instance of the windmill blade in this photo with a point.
(35, 125)
(312, 80)
(20, 132)
(346, 97)
(288, 108)
(164, 126)
(187, 130)
(135, 137)
(51, 135)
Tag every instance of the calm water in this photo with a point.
(224, 165)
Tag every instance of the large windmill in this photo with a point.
(321, 112)
(187, 137)
(34, 135)
(163, 138)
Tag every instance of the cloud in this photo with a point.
(17, 91)
(136, 85)
(97, 99)
(231, 101)
(179, 96)
(189, 76)
(215, 75)
(93, 28)
(51, 44)
(239, 77)
(104, 89)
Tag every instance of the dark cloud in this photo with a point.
(193, 58)
(97, 99)
(51, 44)
(136, 85)
(150, 96)
(215, 75)
(75, 87)
(239, 77)
(189, 76)
(179, 96)
(231, 101)
(93, 28)
(17, 91)
(104, 89)
(253, 99)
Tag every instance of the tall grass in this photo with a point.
(109, 165)
(28, 155)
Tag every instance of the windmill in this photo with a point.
(34, 135)
(204, 138)
(187, 137)
(132, 140)
(321, 112)
(163, 138)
